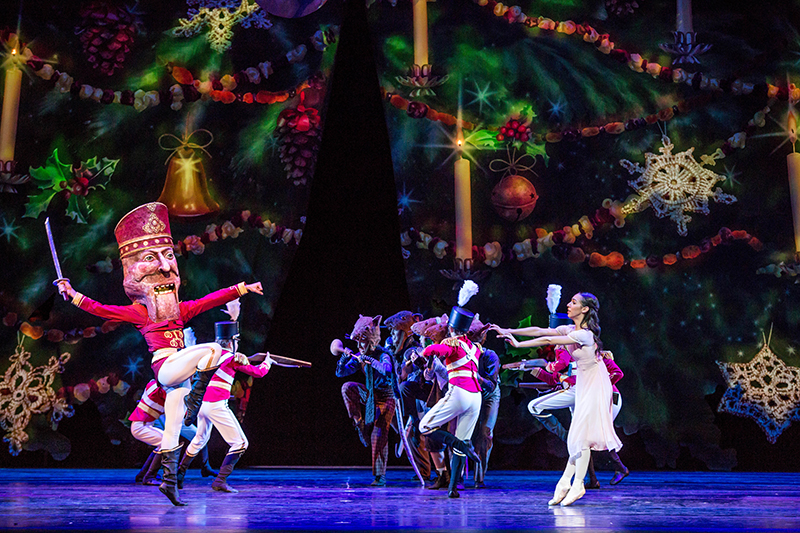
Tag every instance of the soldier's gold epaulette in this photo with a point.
(451, 341)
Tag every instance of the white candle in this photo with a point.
(420, 32)
(684, 22)
(463, 199)
(8, 120)
(793, 164)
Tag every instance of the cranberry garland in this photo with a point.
(34, 330)
(416, 109)
(698, 81)
(564, 246)
(226, 89)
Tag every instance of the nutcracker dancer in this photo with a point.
(462, 402)
(215, 412)
(592, 426)
(151, 281)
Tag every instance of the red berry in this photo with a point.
(500, 137)
(513, 124)
(67, 194)
(521, 128)
(83, 181)
(524, 137)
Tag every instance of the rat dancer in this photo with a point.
(371, 405)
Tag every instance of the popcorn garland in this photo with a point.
(196, 244)
(187, 89)
(416, 109)
(698, 81)
(562, 244)
(780, 269)
(82, 392)
(73, 336)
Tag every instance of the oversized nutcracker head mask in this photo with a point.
(148, 261)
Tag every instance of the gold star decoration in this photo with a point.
(25, 391)
(765, 389)
(675, 184)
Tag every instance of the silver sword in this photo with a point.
(52, 244)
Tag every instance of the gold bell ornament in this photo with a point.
(185, 190)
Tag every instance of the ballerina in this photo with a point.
(592, 425)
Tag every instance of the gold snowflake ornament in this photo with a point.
(674, 184)
(25, 391)
(766, 389)
(220, 22)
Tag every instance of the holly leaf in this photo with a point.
(98, 172)
(527, 113)
(485, 140)
(537, 149)
(52, 173)
(38, 204)
(78, 209)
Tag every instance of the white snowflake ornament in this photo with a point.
(674, 184)
(765, 389)
(26, 390)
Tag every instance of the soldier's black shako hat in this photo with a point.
(226, 330)
(460, 319)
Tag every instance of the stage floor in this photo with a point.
(315, 499)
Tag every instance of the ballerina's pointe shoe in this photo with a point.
(561, 492)
(574, 494)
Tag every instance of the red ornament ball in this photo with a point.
(514, 198)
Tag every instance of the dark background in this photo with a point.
(347, 265)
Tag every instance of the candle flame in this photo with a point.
(792, 128)
(14, 52)
(460, 142)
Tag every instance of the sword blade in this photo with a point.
(52, 248)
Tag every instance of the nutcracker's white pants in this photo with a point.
(173, 376)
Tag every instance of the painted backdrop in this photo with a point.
(604, 154)
(213, 107)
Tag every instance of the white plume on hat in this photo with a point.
(468, 290)
(553, 297)
(232, 309)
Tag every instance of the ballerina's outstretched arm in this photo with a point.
(539, 341)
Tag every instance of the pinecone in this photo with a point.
(106, 33)
(299, 130)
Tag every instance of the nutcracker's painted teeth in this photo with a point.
(164, 289)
